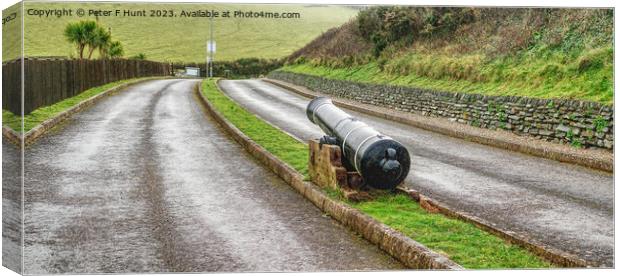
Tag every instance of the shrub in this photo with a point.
(241, 68)
(140, 56)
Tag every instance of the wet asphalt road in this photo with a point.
(11, 206)
(565, 206)
(145, 182)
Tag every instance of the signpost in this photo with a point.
(211, 47)
(210, 50)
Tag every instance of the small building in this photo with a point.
(192, 71)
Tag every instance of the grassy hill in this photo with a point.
(545, 53)
(183, 38)
(11, 31)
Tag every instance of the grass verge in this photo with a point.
(41, 114)
(272, 139)
(464, 243)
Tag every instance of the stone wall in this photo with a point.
(578, 123)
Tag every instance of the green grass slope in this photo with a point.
(544, 53)
(183, 38)
(11, 32)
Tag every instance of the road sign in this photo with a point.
(211, 46)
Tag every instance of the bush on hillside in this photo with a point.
(240, 68)
(548, 50)
(384, 25)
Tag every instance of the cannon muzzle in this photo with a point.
(382, 162)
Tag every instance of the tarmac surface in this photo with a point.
(11, 206)
(144, 181)
(564, 206)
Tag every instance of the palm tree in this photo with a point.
(80, 33)
(104, 50)
(99, 39)
(112, 49)
(115, 49)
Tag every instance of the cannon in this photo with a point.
(382, 162)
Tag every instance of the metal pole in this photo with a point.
(206, 59)
(211, 50)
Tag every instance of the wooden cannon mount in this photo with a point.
(327, 170)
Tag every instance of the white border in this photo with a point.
(505, 3)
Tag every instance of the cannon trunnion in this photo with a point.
(382, 162)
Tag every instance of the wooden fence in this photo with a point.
(48, 81)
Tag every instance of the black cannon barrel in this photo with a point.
(382, 162)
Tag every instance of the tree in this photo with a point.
(94, 36)
(104, 51)
(111, 49)
(115, 49)
(99, 39)
(80, 34)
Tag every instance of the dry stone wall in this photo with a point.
(578, 123)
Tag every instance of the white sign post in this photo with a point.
(210, 50)
(211, 46)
